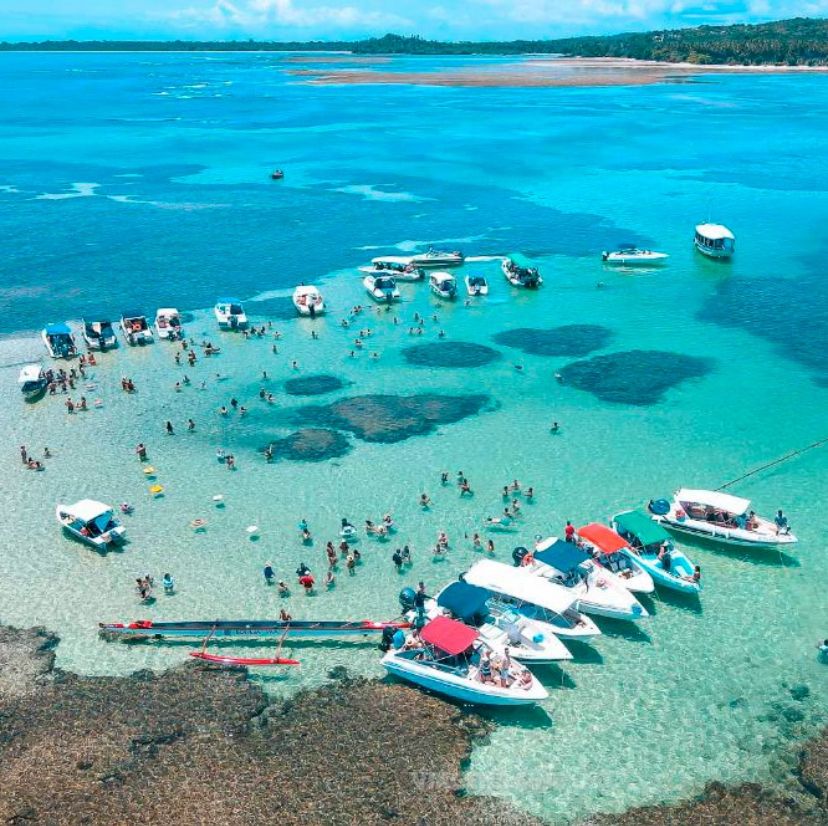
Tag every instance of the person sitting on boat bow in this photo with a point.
(781, 522)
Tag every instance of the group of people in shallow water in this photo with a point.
(144, 587)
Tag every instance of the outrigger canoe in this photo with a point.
(249, 661)
(216, 629)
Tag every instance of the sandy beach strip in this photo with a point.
(537, 72)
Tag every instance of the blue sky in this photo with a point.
(331, 19)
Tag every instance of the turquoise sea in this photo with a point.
(143, 180)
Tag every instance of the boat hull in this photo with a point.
(735, 537)
(464, 690)
(713, 253)
(244, 630)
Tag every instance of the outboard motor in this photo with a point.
(518, 554)
(387, 636)
(406, 598)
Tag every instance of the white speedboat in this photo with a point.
(98, 334)
(655, 551)
(135, 327)
(443, 285)
(59, 341)
(534, 597)
(400, 267)
(32, 381)
(721, 517)
(230, 314)
(594, 590)
(382, 288)
(168, 323)
(613, 554)
(451, 658)
(634, 257)
(91, 522)
(476, 285)
(437, 258)
(308, 301)
(715, 240)
(528, 640)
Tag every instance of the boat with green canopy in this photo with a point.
(653, 548)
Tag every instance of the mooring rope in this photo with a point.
(774, 462)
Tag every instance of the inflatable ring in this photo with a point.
(198, 523)
(156, 490)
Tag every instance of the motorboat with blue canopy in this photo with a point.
(528, 640)
(595, 590)
(533, 597)
(59, 341)
(98, 332)
(452, 658)
(653, 548)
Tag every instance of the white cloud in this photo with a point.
(258, 15)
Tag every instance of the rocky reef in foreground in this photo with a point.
(200, 744)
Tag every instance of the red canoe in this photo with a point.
(222, 660)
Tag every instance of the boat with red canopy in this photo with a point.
(613, 553)
(451, 658)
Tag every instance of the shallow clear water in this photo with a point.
(183, 211)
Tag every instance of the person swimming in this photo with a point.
(169, 584)
(269, 575)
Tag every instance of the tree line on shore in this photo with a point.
(795, 42)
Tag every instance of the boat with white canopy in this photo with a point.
(654, 549)
(91, 522)
(530, 641)
(168, 323)
(534, 597)
(714, 240)
(382, 288)
(135, 327)
(451, 658)
(32, 381)
(593, 589)
(98, 333)
(631, 256)
(59, 341)
(721, 517)
(230, 314)
(611, 552)
(308, 301)
(443, 285)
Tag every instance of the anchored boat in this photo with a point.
(32, 381)
(528, 640)
(721, 518)
(451, 658)
(135, 327)
(308, 301)
(91, 522)
(476, 285)
(443, 285)
(611, 552)
(520, 275)
(594, 590)
(632, 257)
(382, 288)
(534, 597)
(98, 334)
(59, 341)
(168, 323)
(217, 629)
(230, 314)
(399, 266)
(714, 240)
(437, 258)
(654, 550)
